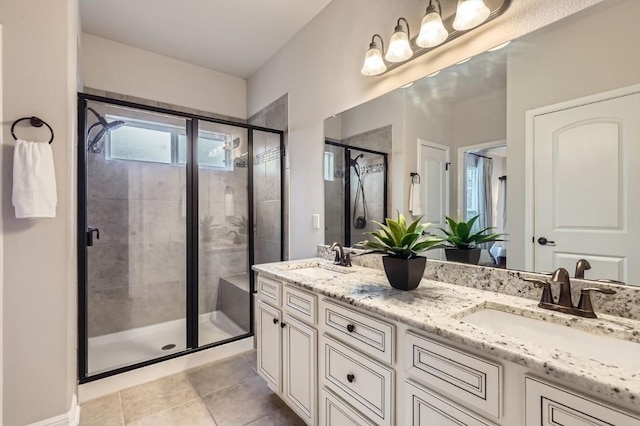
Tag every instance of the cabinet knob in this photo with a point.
(282, 325)
(275, 320)
(350, 328)
(350, 378)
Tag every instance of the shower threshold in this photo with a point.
(111, 351)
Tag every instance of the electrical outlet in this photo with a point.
(316, 221)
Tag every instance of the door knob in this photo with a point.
(544, 242)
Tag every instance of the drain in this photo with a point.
(169, 346)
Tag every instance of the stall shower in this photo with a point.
(166, 212)
(355, 196)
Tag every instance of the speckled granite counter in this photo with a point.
(437, 308)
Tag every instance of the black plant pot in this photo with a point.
(404, 274)
(471, 256)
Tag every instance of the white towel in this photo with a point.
(415, 205)
(34, 180)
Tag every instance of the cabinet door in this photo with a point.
(300, 348)
(550, 405)
(269, 344)
(335, 412)
(427, 408)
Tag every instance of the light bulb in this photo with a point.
(432, 30)
(399, 47)
(373, 62)
(470, 14)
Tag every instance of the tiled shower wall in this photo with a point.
(266, 179)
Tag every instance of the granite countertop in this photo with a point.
(437, 308)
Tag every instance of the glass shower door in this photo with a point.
(136, 239)
(224, 304)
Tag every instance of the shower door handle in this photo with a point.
(90, 231)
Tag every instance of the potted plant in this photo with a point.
(401, 245)
(206, 228)
(462, 244)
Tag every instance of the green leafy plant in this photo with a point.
(460, 236)
(396, 238)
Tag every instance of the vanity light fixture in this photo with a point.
(435, 30)
(470, 14)
(399, 47)
(373, 62)
(432, 30)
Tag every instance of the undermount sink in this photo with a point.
(607, 350)
(319, 272)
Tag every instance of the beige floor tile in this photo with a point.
(192, 413)
(105, 411)
(252, 358)
(281, 417)
(242, 403)
(154, 397)
(213, 377)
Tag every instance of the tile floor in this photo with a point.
(224, 393)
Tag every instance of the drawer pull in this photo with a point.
(350, 328)
(275, 320)
(350, 378)
(282, 325)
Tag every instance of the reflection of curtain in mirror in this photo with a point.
(485, 208)
(499, 249)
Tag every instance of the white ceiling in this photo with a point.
(231, 36)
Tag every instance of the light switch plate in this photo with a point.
(316, 221)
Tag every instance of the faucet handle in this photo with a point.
(585, 299)
(546, 297)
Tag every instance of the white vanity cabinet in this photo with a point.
(287, 344)
(339, 365)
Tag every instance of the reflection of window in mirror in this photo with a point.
(329, 166)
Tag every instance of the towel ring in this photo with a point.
(35, 122)
(413, 176)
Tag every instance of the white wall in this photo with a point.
(39, 257)
(115, 67)
(569, 63)
(319, 69)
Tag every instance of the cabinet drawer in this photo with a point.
(299, 304)
(550, 405)
(425, 408)
(371, 336)
(365, 384)
(335, 412)
(472, 380)
(269, 290)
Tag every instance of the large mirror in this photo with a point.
(540, 138)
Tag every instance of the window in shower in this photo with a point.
(355, 192)
(165, 213)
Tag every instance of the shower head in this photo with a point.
(354, 161)
(106, 127)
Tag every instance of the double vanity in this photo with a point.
(341, 347)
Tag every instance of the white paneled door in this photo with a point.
(433, 160)
(586, 165)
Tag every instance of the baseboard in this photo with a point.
(70, 418)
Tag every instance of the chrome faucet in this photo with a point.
(581, 266)
(565, 303)
(341, 258)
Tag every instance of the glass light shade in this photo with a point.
(432, 30)
(373, 62)
(399, 47)
(470, 14)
